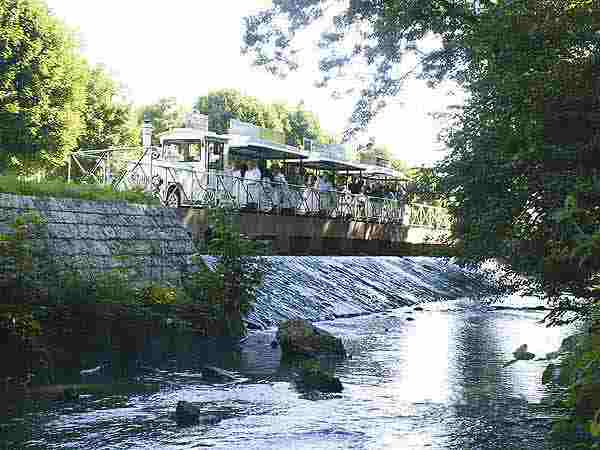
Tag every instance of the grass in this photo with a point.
(10, 184)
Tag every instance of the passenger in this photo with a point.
(280, 189)
(324, 188)
(354, 186)
(311, 195)
(252, 179)
(237, 189)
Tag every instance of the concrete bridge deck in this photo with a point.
(298, 235)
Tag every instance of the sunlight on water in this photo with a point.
(437, 381)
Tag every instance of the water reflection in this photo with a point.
(435, 382)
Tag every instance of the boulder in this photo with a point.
(187, 414)
(318, 380)
(410, 319)
(418, 308)
(521, 353)
(569, 344)
(213, 374)
(551, 373)
(300, 337)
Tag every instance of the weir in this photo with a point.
(324, 288)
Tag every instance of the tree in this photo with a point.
(304, 124)
(372, 36)
(297, 123)
(522, 175)
(42, 86)
(164, 115)
(108, 121)
(226, 104)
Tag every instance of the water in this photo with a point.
(433, 383)
(324, 288)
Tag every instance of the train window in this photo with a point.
(215, 155)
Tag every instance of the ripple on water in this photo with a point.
(436, 382)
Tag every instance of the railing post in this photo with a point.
(69, 169)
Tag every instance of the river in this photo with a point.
(435, 382)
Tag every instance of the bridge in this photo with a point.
(195, 170)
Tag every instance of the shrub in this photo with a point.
(229, 286)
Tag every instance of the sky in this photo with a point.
(185, 48)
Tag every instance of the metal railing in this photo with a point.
(182, 184)
(179, 186)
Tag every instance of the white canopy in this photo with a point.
(188, 136)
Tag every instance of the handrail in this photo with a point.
(208, 189)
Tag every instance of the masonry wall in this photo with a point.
(105, 235)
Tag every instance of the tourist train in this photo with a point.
(252, 169)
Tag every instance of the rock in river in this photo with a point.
(300, 337)
(320, 381)
(187, 414)
(215, 375)
(522, 354)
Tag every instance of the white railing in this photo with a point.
(186, 184)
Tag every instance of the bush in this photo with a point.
(229, 287)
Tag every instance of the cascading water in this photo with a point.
(325, 288)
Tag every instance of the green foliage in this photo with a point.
(59, 189)
(42, 81)
(51, 100)
(296, 123)
(165, 114)
(108, 120)
(578, 367)
(230, 286)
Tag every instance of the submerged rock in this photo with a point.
(521, 353)
(187, 414)
(214, 374)
(300, 337)
(320, 381)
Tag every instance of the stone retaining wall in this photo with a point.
(105, 235)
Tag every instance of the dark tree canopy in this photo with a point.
(375, 36)
(523, 172)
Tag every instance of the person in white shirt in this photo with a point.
(252, 179)
(280, 188)
(235, 183)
